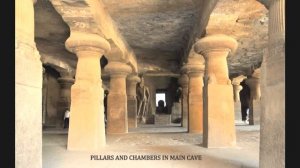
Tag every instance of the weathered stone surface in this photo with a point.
(254, 112)
(176, 112)
(154, 28)
(184, 82)
(28, 89)
(131, 90)
(117, 117)
(255, 94)
(218, 115)
(87, 110)
(195, 99)
(51, 97)
(272, 142)
(64, 99)
(51, 32)
(219, 130)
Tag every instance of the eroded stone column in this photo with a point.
(219, 129)
(184, 82)
(195, 71)
(272, 125)
(236, 95)
(66, 81)
(117, 119)
(132, 80)
(87, 127)
(254, 106)
(28, 89)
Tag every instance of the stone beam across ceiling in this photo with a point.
(91, 16)
(59, 65)
(206, 7)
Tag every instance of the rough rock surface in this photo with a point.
(247, 22)
(158, 31)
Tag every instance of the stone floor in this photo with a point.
(153, 140)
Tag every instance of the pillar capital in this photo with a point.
(193, 69)
(237, 87)
(117, 118)
(67, 74)
(79, 42)
(118, 69)
(131, 89)
(133, 79)
(215, 43)
(184, 80)
(215, 49)
(238, 80)
(256, 73)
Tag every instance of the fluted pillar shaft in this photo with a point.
(272, 148)
(219, 129)
(132, 81)
(117, 117)
(87, 127)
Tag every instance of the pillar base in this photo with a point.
(219, 128)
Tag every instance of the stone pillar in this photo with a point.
(236, 95)
(28, 89)
(87, 127)
(117, 119)
(254, 106)
(65, 81)
(195, 71)
(237, 102)
(132, 80)
(219, 127)
(184, 82)
(44, 96)
(272, 125)
(236, 92)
